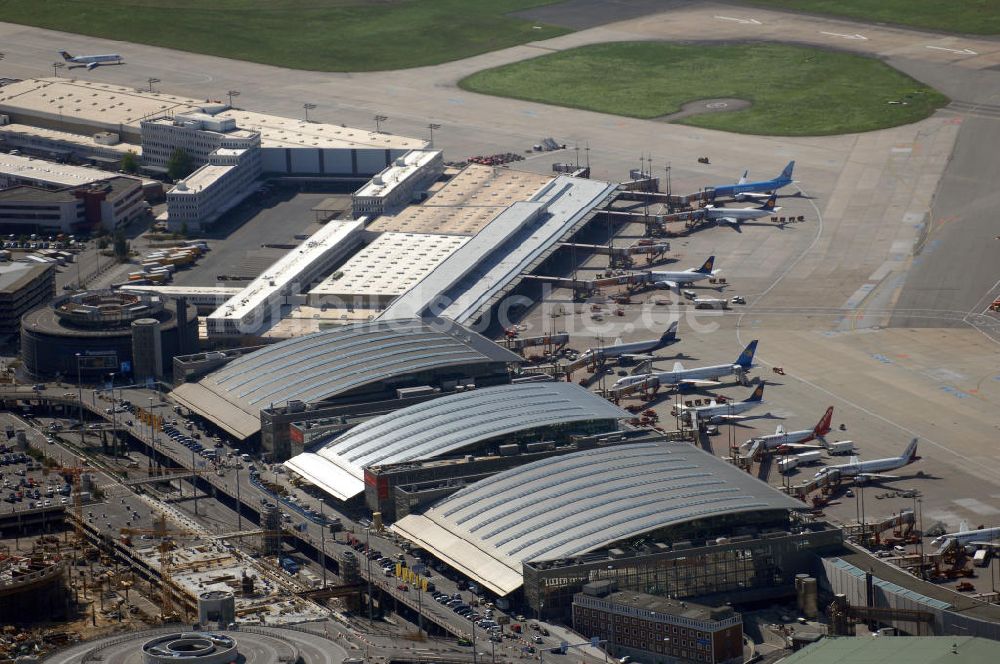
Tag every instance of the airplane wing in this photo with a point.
(729, 220)
(730, 418)
(985, 544)
(92, 65)
(670, 285)
(854, 460)
(743, 180)
(678, 366)
(780, 430)
(877, 476)
(694, 382)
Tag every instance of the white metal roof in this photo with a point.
(398, 172)
(327, 364)
(446, 425)
(569, 505)
(288, 269)
(390, 265)
(47, 172)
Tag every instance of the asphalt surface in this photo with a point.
(237, 247)
(826, 297)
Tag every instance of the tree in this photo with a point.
(179, 166)
(130, 164)
(121, 246)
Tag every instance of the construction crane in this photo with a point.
(71, 474)
(166, 540)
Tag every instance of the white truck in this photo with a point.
(786, 464)
(807, 458)
(838, 447)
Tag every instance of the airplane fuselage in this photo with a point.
(708, 413)
(676, 377)
(775, 440)
(679, 277)
(740, 214)
(762, 186)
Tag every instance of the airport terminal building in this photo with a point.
(662, 518)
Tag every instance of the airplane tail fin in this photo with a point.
(65, 55)
(706, 267)
(786, 174)
(910, 455)
(745, 360)
(823, 427)
(770, 202)
(757, 395)
(670, 335)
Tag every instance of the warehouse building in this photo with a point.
(103, 148)
(23, 288)
(288, 146)
(478, 420)
(656, 629)
(353, 364)
(18, 169)
(664, 518)
(106, 204)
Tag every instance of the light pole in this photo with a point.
(308, 107)
(79, 388)
(232, 93)
(432, 126)
(322, 541)
(56, 66)
(239, 504)
(379, 119)
(152, 80)
(114, 418)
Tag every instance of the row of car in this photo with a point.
(187, 441)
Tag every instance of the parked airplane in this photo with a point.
(744, 190)
(716, 412)
(737, 215)
(982, 537)
(862, 471)
(630, 350)
(675, 280)
(793, 440)
(700, 377)
(92, 61)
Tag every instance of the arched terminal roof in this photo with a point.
(445, 425)
(569, 505)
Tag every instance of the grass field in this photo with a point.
(979, 17)
(795, 91)
(322, 35)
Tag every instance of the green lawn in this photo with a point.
(979, 17)
(795, 91)
(322, 35)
